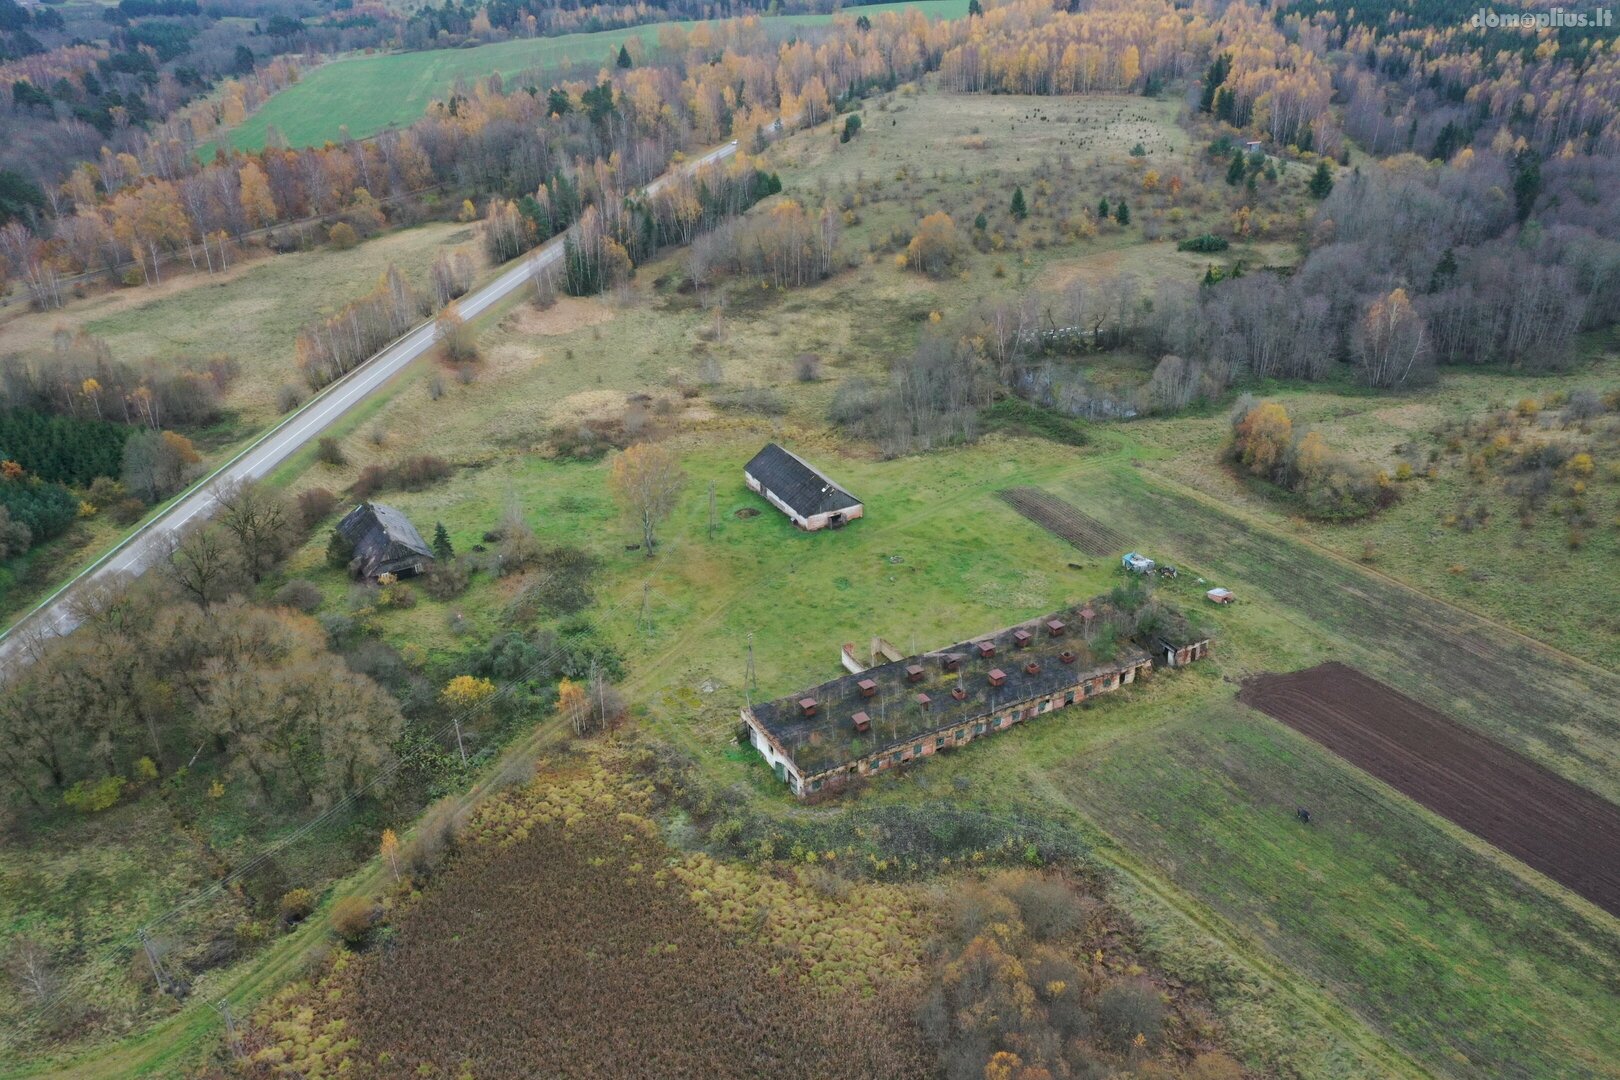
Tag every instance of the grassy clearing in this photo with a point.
(252, 312)
(362, 95)
(1526, 578)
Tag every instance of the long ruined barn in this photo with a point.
(907, 710)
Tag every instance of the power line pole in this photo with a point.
(223, 1007)
(152, 958)
(748, 677)
(461, 746)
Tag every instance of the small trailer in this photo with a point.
(1137, 564)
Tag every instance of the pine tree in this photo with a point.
(624, 56)
(443, 550)
(1020, 209)
(1103, 212)
(981, 223)
(1321, 185)
(975, 8)
(1122, 213)
(1236, 169)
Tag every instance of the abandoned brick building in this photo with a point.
(907, 710)
(801, 491)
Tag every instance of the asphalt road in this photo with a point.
(55, 615)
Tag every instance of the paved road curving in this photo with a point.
(54, 616)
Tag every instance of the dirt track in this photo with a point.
(1553, 825)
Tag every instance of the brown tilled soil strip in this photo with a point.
(1533, 814)
(1065, 521)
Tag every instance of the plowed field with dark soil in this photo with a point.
(1065, 521)
(1551, 824)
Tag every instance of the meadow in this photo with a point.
(359, 96)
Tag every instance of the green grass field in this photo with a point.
(365, 94)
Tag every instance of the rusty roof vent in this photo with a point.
(1055, 627)
(1021, 638)
(861, 722)
(958, 693)
(914, 673)
(924, 700)
(1032, 668)
(952, 661)
(987, 649)
(867, 687)
(1067, 656)
(807, 706)
(997, 676)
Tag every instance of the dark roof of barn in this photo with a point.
(798, 483)
(382, 531)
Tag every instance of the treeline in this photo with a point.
(80, 378)
(329, 348)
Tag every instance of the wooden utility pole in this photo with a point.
(748, 677)
(461, 746)
(223, 1007)
(152, 958)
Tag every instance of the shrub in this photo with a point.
(328, 451)
(342, 236)
(1207, 244)
(299, 595)
(352, 918)
(289, 397)
(295, 906)
(446, 580)
(1128, 1009)
(94, 796)
(1048, 907)
(313, 506)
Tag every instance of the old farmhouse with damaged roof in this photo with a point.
(801, 491)
(383, 541)
(910, 709)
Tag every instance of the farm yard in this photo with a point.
(1564, 831)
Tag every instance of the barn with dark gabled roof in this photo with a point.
(809, 498)
(383, 541)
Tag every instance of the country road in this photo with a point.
(54, 616)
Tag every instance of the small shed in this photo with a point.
(1221, 596)
(383, 541)
(804, 493)
(1137, 564)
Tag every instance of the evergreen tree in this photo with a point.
(1103, 212)
(1321, 185)
(1213, 77)
(1138, 150)
(1236, 169)
(443, 550)
(624, 56)
(1526, 183)
(1020, 209)
(975, 8)
(981, 223)
(1445, 272)
(557, 101)
(1122, 213)
(339, 551)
